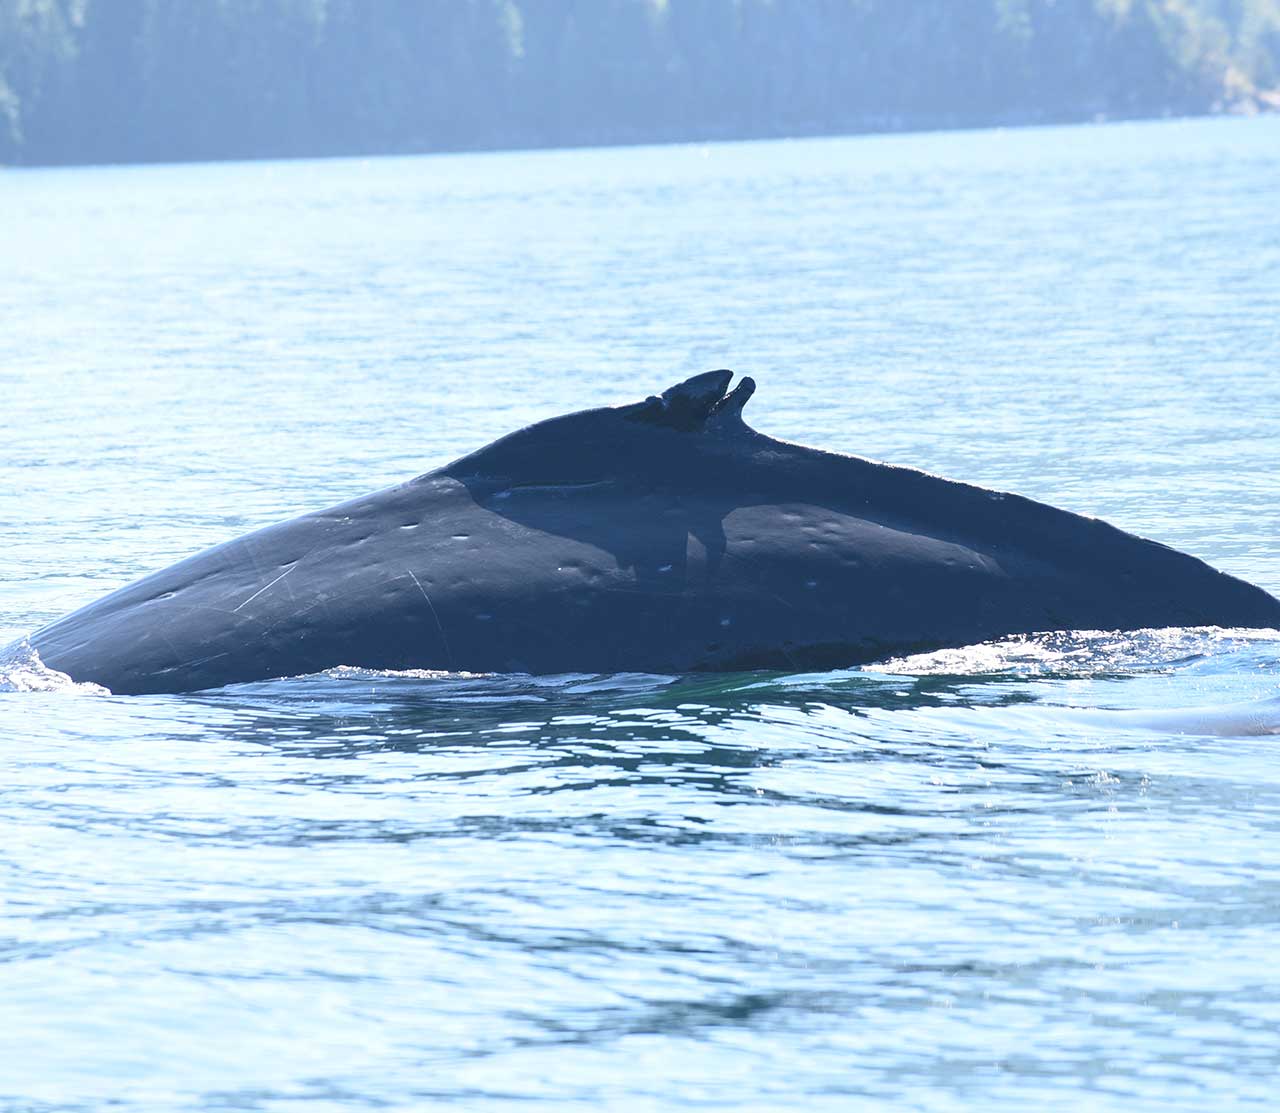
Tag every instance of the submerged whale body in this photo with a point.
(663, 536)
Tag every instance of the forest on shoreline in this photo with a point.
(106, 81)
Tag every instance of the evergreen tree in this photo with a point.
(123, 80)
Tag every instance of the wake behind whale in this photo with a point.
(663, 536)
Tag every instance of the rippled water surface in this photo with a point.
(1044, 871)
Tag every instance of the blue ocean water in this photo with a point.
(1042, 871)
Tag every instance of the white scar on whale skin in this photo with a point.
(264, 588)
(432, 607)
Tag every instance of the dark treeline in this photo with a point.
(141, 80)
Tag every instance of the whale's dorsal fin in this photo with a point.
(689, 405)
(698, 396)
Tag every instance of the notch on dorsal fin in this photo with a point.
(689, 405)
(728, 411)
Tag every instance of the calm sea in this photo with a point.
(1040, 873)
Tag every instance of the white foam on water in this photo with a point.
(21, 670)
(1078, 652)
(1258, 718)
(355, 672)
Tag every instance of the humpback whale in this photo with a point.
(660, 536)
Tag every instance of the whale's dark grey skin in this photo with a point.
(664, 536)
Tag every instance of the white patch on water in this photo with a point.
(1096, 654)
(578, 683)
(21, 670)
(355, 672)
(1236, 720)
(1078, 652)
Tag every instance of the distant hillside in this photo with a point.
(160, 80)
